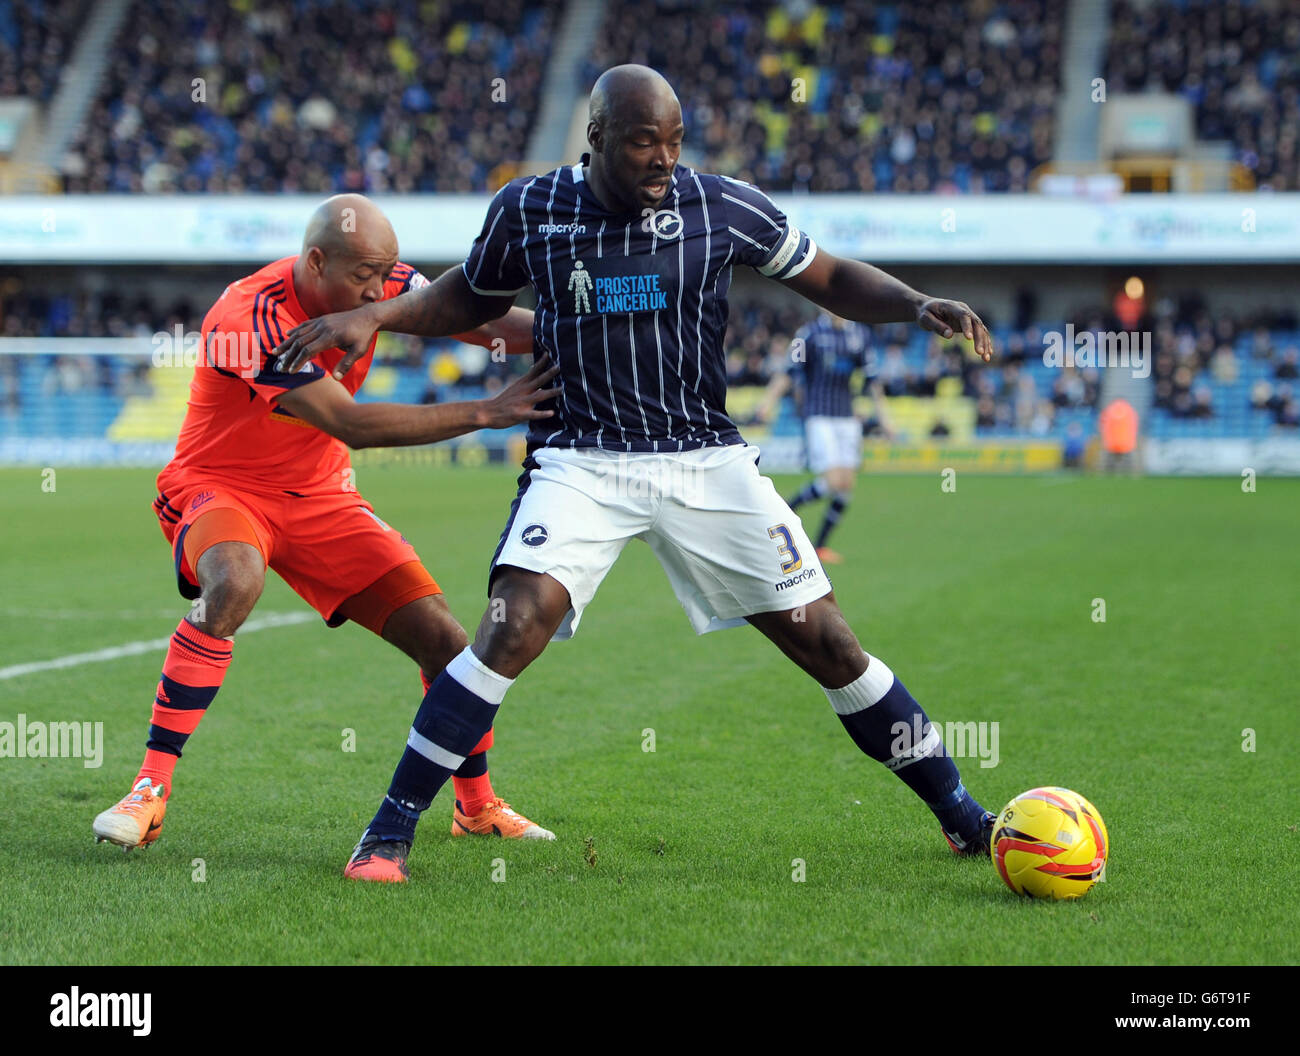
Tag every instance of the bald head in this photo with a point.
(348, 252)
(635, 130)
(625, 95)
(351, 225)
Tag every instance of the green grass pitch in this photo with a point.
(982, 600)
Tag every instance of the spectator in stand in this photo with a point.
(1261, 395)
(894, 375)
(1224, 365)
(1261, 344)
(1289, 368)
(1073, 450)
(1283, 397)
(1202, 404)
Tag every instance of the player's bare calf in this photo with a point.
(818, 638)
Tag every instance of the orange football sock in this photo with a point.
(192, 672)
(158, 768)
(473, 793)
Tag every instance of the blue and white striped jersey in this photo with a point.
(632, 307)
(824, 357)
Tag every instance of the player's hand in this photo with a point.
(518, 401)
(946, 318)
(350, 331)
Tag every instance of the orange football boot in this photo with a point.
(383, 861)
(497, 819)
(828, 556)
(135, 820)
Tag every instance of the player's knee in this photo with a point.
(230, 591)
(841, 481)
(517, 626)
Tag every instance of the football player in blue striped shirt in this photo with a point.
(825, 356)
(630, 256)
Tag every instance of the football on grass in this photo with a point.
(1050, 843)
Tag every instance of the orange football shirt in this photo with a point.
(234, 428)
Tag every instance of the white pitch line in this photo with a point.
(261, 623)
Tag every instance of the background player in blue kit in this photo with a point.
(642, 399)
(825, 356)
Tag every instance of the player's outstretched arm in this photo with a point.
(445, 307)
(328, 406)
(876, 391)
(515, 329)
(772, 396)
(858, 291)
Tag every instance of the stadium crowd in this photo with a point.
(944, 96)
(954, 96)
(36, 38)
(1238, 63)
(205, 97)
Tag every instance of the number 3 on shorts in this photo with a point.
(790, 559)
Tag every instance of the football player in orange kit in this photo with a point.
(261, 477)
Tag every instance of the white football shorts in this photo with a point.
(833, 443)
(729, 543)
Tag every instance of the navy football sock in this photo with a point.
(890, 726)
(458, 710)
(833, 514)
(812, 491)
(473, 766)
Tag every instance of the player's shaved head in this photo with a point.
(635, 130)
(348, 251)
(351, 225)
(628, 95)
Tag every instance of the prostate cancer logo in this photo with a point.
(606, 287)
(535, 535)
(580, 285)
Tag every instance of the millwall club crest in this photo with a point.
(664, 223)
(534, 535)
(580, 287)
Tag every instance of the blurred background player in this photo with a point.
(262, 477)
(1118, 423)
(824, 357)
